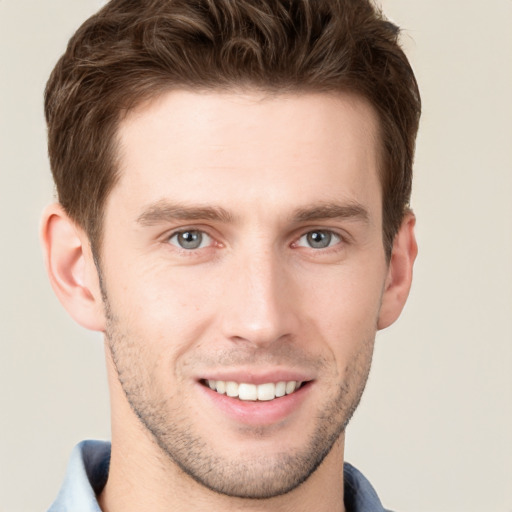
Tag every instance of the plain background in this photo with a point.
(434, 430)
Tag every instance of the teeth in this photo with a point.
(280, 389)
(290, 387)
(247, 391)
(232, 389)
(263, 392)
(267, 391)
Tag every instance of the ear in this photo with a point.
(399, 278)
(71, 268)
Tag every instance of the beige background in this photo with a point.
(434, 430)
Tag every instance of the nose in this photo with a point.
(260, 300)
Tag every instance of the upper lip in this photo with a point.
(257, 377)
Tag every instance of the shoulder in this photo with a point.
(359, 494)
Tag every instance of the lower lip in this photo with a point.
(259, 412)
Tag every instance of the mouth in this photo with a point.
(253, 392)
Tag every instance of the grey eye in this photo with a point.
(190, 239)
(319, 239)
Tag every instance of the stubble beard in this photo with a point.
(256, 477)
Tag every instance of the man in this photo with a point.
(233, 182)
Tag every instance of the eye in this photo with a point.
(190, 239)
(319, 239)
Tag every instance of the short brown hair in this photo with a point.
(132, 50)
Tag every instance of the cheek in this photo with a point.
(167, 307)
(344, 300)
(342, 310)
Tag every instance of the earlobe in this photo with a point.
(71, 268)
(399, 278)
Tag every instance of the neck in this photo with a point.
(140, 480)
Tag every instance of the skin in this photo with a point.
(260, 178)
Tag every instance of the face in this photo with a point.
(243, 270)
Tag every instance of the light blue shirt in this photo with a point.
(87, 474)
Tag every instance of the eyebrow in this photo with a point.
(354, 211)
(162, 211)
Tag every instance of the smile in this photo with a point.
(252, 392)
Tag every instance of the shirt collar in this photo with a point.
(86, 475)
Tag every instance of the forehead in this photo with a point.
(250, 146)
